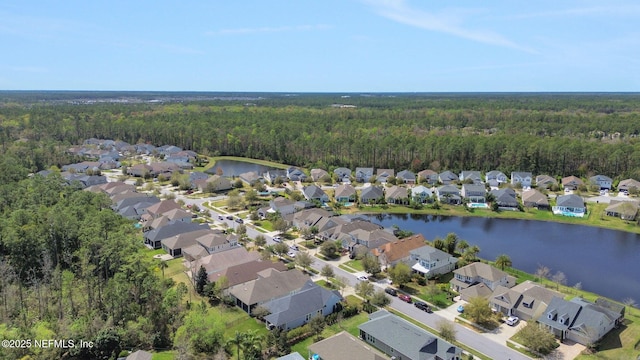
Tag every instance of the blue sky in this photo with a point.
(321, 46)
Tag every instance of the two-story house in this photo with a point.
(421, 194)
(343, 175)
(603, 181)
(521, 177)
(472, 176)
(478, 274)
(474, 193)
(430, 262)
(448, 194)
(363, 174)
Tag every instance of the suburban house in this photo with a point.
(345, 193)
(371, 195)
(536, 199)
(619, 309)
(173, 245)
(578, 320)
(397, 195)
(505, 198)
(478, 273)
(624, 209)
(291, 356)
(160, 209)
(430, 262)
(251, 178)
(382, 175)
(295, 174)
(317, 174)
(298, 308)
(604, 182)
(245, 272)
(496, 176)
(82, 180)
(474, 193)
(283, 206)
(343, 175)
(336, 346)
(571, 182)
(213, 183)
(215, 242)
(402, 340)
(365, 238)
(309, 217)
(545, 181)
(471, 176)
(133, 205)
(429, 176)
(222, 260)
(393, 252)
(521, 177)
(140, 170)
(273, 175)
(173, 215)
(270, 284)
(447, 177)
(197, 175)
(421, 194)
(569, 205)
(154, 237)
(363, 174)
(314, 192)
(527, 300)
(406, 177)
(449, 194)
(627, 184)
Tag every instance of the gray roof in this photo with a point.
(139, 355)
(560, 308)
(570, 200)
(173, 229)
(598, 178)
(310, 299)
(447, 175)
(407, 338)
(313, 192)
(371, 193)
(345, 190)
(429, 253)
(482, 270)
(505, 197)
(473, 189)
(364, 173)
(269, 285)
(292, 356)
(406, 175)
(336, 346)
(397, 192)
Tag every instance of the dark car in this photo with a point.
(422, 306)
(239, 221)
(229, 217)
(391, 291)
(220, 217)
(405, 298)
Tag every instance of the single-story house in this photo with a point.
(497, 176)
(625, 209)
(372, 195)
(569, 205)
(474, 193)
(345, 193)
(406, 177)
(397, 195)
(545, 181)
(447, 177)
(340, 344)
(429, 176)
(343, 175)
(474, 176)
(627, 184)
(534, 198)
(571, 182)
(295, 174)
(382, 175)
(400, 339)
(505, 198)
(393, 252)
(298, 308)
(317, 174)
(314, 192)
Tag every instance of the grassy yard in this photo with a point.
(164, 355)
(345, 268)
(355, 264)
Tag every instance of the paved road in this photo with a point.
(479, 342)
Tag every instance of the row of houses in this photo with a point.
(577, 319)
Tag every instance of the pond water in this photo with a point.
(604, 261)
(232, 168)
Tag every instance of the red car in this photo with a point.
(405, 298)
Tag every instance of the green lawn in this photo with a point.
(164, 355)
(345, 268)
(349, 325)
(355, 264)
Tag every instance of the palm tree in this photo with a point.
(162, 265)
(503, 261)
(463, 245)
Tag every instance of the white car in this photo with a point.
(512, 320)
(291, 254)
(362, 278)
(277, 239)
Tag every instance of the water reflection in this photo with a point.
(603, 261)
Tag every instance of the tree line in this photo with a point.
(546, 133)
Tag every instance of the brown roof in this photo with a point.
(534, 196)
(239, 274)
(162, 207)
(399, 249)
(270, 284)
(568, 179)
(224, 259)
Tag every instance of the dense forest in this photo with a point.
(557, 134)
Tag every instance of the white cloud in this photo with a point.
(267, 29)
(449, 22)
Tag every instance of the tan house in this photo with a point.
(534, 198)
(571, 182)
(624, 209)
(393, 252)
(479, 273)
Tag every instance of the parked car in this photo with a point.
(460, 308)
(277, 239)
(239, 221)
(405, 298)
(229, 217)
(220, 217)
(391, 291)
(291, 254)
(362, 278)
(294, 247)
(422, 306)
(512, 320)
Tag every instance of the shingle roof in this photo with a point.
(478, 269)
(270, 285)
(570, 200)
(342, 343)
(311, 298)
(399, 249)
